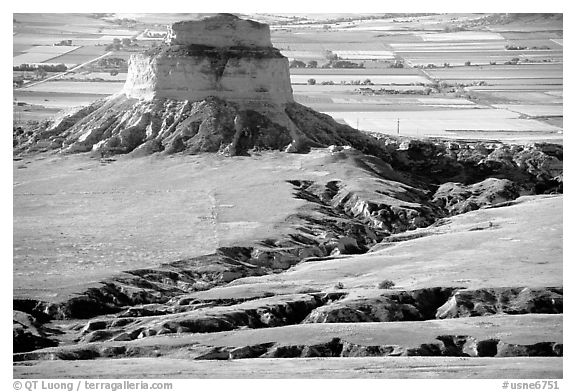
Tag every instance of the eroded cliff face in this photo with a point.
(238, 75)
(223, 30)
(220, 56)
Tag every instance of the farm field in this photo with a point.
(526, 82)
(57, 101)
(485, 123)
(81, 55)
(534, 110)
(42, 54)
(355, 71)
(376, 79)
(359, 103)
(63, 86)
(517, 87)
(532, 97)
(328, 89)
(496, 72)
(476, 57)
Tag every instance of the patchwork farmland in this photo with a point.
(453, 75)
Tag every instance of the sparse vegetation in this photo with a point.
(386, 284)
(41, 68)
(342, 64)
(65, 42)
(312, 64)
(297, 64)
(515, 47)
(512, 61)
(122, 44)
(112, 62)
(391, 91)
(330, 55)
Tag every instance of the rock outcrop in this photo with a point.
(215, 85)
(28, 333)
(222, 56)
(457, 198)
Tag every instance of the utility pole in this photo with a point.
(398, 126)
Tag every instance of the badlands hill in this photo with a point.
(371, 253)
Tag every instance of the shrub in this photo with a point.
(339, 286)
(467, 63)
(311, 81)
(344, 64)
(312, 64)
(297, 64)
(44, 67)
(330, 55)
(386, 284)
(515, 47)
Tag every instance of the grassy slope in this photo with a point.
(83, 220)
(178, 349)
(383, 367)
(508, 246)
(136, 213)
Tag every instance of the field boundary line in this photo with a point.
(65, 72)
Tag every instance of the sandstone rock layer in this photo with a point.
(221, 56)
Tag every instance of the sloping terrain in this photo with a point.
(311, 252)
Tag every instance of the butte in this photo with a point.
(214, 85)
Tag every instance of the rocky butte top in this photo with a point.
(220, 56)
(223, 30)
